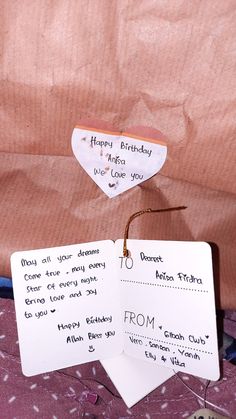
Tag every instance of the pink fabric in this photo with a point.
(86, 391)
(168, 65)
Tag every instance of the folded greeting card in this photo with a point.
(133, 378)
(85, 302)
(117, 161)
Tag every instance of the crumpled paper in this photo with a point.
(164, 65)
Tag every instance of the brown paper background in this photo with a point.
(168, 65)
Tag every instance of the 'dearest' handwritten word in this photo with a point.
(150, 258)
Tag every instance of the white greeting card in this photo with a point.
(79, 303)
(133, 378)
(117, 162)
(67, 307)
(168, 306)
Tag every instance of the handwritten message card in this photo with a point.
(168, 305)
(67, 306)
(85, 302)
(117, 162)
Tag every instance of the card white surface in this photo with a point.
(116, 162)
(80, 303)
(67, 306)
(133, 378)
(168, 305)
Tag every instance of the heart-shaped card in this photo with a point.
(117, 162)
